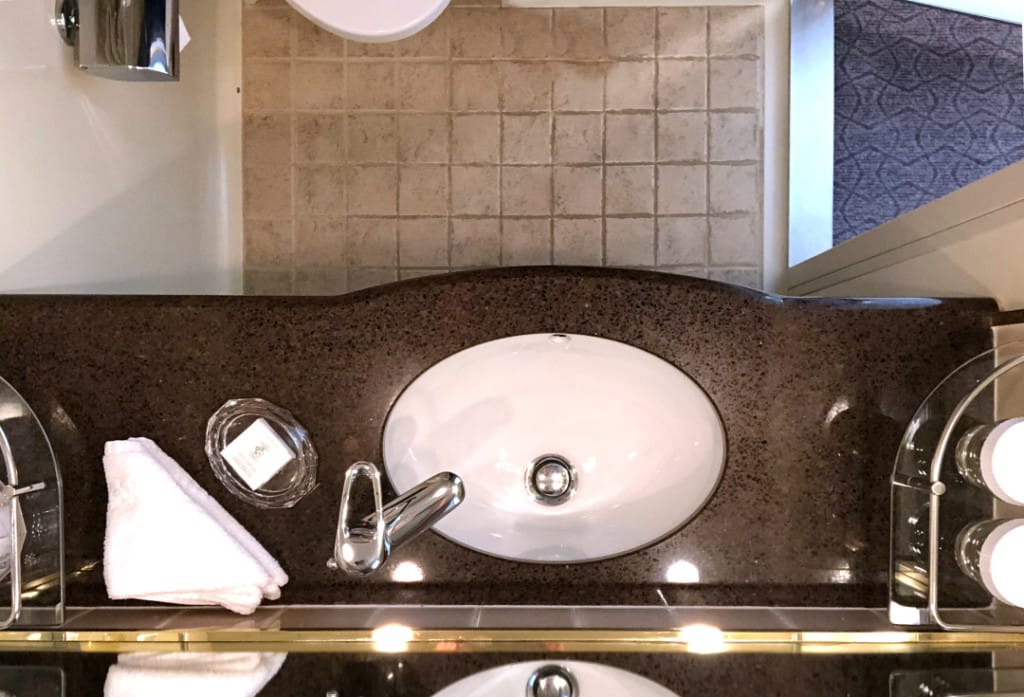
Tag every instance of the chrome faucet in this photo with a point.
(363, 547)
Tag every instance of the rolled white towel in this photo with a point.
(169, 541)
(192, 674)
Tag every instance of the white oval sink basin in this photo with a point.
(590, 679)
(638, 446)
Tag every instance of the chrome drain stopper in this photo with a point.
(551, 681)
(551, 479)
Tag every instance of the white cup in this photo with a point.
(992, 457)
(992, 553)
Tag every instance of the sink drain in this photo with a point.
(551, 480)
(551, 681)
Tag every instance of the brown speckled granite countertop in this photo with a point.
(814, 394)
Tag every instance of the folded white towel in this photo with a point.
(169, 541)
(192, 674)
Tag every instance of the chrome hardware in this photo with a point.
(363, 548)
(552, 681)
(135, 41)
(65, 16)
(551, 479)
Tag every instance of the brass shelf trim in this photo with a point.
(364, 641)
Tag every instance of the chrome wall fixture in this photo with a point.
(134, 40)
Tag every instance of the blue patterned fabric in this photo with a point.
(926, 101)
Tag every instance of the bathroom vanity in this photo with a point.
(813, 395)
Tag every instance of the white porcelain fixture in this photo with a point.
(571, 448)
(372, 22)
(590, 679)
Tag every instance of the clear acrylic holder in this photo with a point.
(32, 490)
(932, 502)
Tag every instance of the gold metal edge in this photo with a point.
(502, 641)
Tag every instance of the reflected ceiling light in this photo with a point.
(841, 405)
(11, 411)
(841, 576)
(407, 572)
(392, 638)
(682, 572)
(885, 637)
(703, 638)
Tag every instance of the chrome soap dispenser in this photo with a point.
(134, 40)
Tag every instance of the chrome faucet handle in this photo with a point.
(362, 547)
(362, 544)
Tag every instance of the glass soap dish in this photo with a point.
(275, 429)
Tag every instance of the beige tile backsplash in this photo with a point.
(498, 136)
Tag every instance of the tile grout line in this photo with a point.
(734, 215)
(293, 169)
(573, 164)
(501, 151)
(449, 231)
(657, 139)
(347, 177)
(604, 166)
(551, 142)
(707, 143)
(345, 194)
(457, 60)
(397, 97)
(760, 217)
(493, 112)
(346, 163)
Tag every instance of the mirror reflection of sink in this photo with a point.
(524, 678)
(571, 448)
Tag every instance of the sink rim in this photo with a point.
(592, 560)
(576, 667)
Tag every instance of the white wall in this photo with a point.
(969, 243)
(989, 264)
(115, 186)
